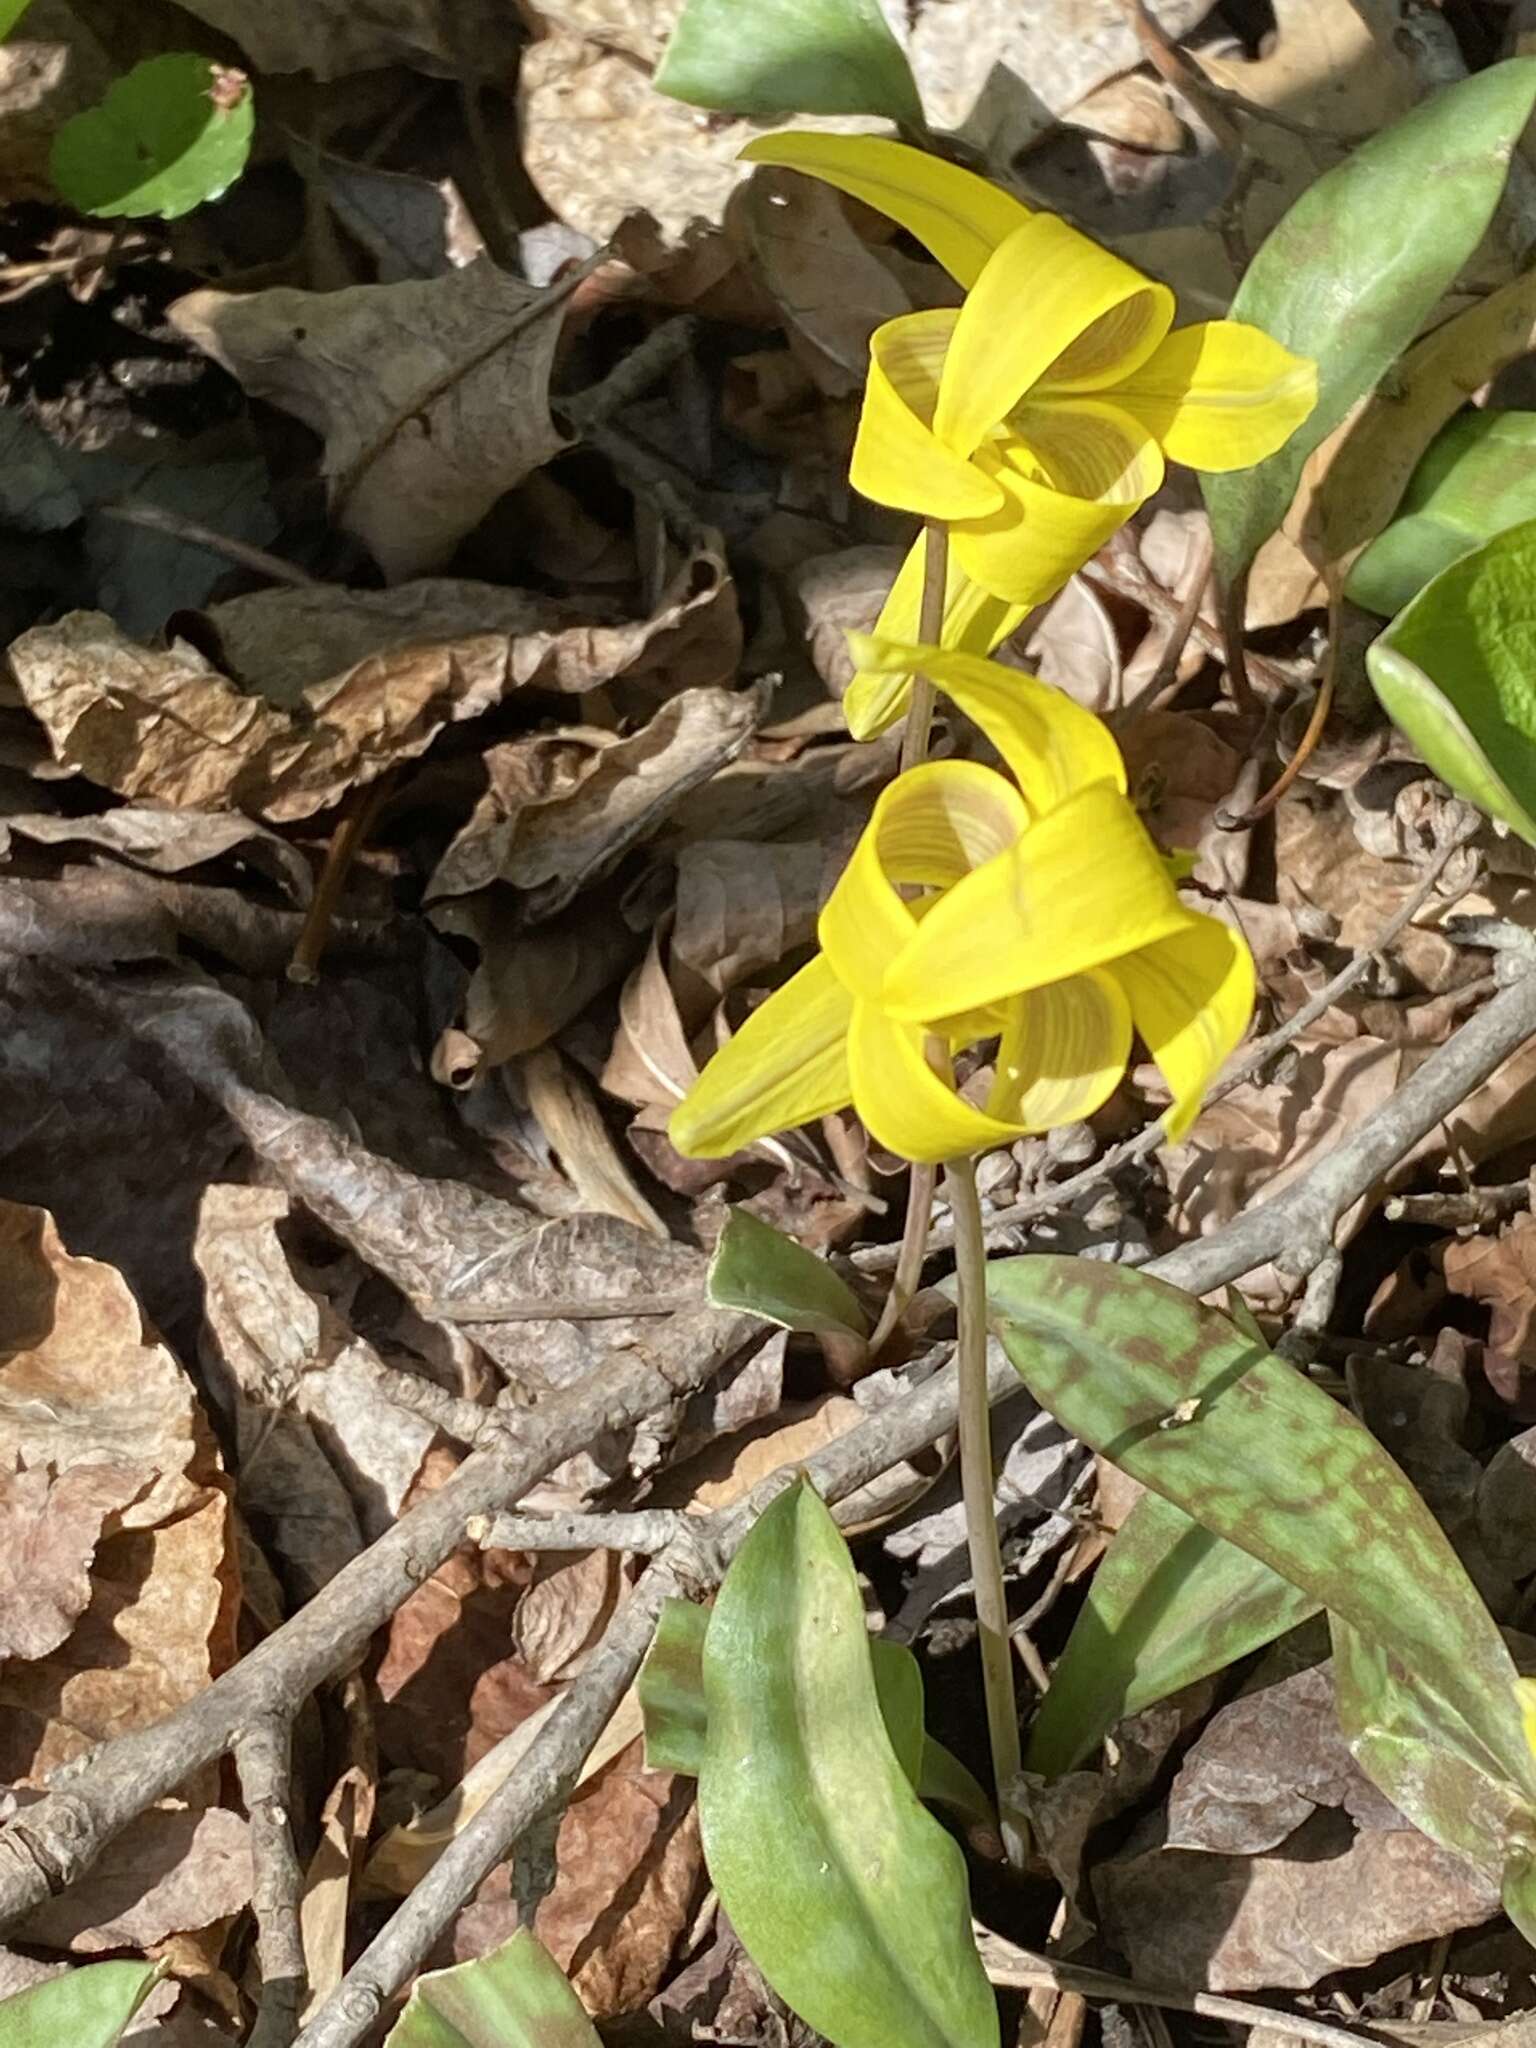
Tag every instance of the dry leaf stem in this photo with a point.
(57, 1840)
(976, 1486)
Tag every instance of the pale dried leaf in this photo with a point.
(366, 367)
(329, 1876)
(562, 1616)
(50, 1524)
(568, 1115)
(564, 807)
(175, 1870)
(169, 841)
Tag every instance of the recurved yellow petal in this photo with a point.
(1221, 395)
(908, 1108)
(1053, 746)
(897, 458)
(1074, 473)
(1062, 1053)
(959, 217)
(787, 1065)
(1191, 996)
(930, 827)
(974, 620)
(1046, 299)
(1082, 887)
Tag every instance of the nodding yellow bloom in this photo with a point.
(1034, 420)
(1048, 921)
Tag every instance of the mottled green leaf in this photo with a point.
(1477, 478)
(170, 134)
(790, 57)
(85, 2008)
(514, 1997)
(1420, 1753)
(1353, 269)
(849, 1897)
(671, 1693)
(1171, 1392)
(758, 1269)
(1456, 672)
(1170, 1603)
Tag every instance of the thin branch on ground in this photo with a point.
(156, 519)
(1176, 635)
(1461, 1208)
(644, 1533)
(263, 1759)
(346, 842)
(1221, 108)
(661, 351)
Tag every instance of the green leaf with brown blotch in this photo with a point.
(1354, 268)
(1174, 1394)
(1171, 1602)
(848, 1896)
(516, 1996)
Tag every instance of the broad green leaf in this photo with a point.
(170, 134)
(760, 1270)
(848, 1896)
(11, 12)
(1454, 671)
(87, 2008)
(1168, 1390)
(1417, 1751)
(1518, 1890)
(1477, 479)
(790, 57)
(1351, 271)
(671, 1693)
(514, 1997)
(1170, 1603)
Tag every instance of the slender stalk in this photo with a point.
(930, 631)
(909, 1258)
(974, 1418)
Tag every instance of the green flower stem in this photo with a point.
(976, 1488)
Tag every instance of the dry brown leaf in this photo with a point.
(168, 842)
(564, 807)
(475, 639)
(329, 1876)
(50, 1524)
(836, 593)
(1321, 866)
(568, 1115)
(830, 287)
(177, 1869)
(412, 467)
(266, 1335)
(529, 984)
(1499, 1271)
(741, 909)
(629, 1867)
(333, 38)
(1329, 1899)
(563, 1615)
(103, 916)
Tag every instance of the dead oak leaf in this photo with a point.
(334, 39)
(50, 1524)
(432, 396)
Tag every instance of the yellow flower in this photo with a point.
(1052, 925)
(1034, 420)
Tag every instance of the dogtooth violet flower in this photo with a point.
(1034, 419)
(1048, 921)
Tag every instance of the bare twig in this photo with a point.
(644, 1533)
(1021, 1968)
(1308, 744)
(1461, 1208)
(155, 519)
(662, 349)
(1221, 107)
(362, 809)
(910, 1254)
(1175, 633)
(262, 1758)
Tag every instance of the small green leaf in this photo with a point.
(849, 1897)
(1168, 1390)
(671, 1693)
(790, 57)
(758, 1269)
(170, 134)
(1455, 672)
(1477, 478)
(514, 1997)
(87, 2008)
(1427, 1762)
(670, 1689)
(1170, 1603)
(1351, 271)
